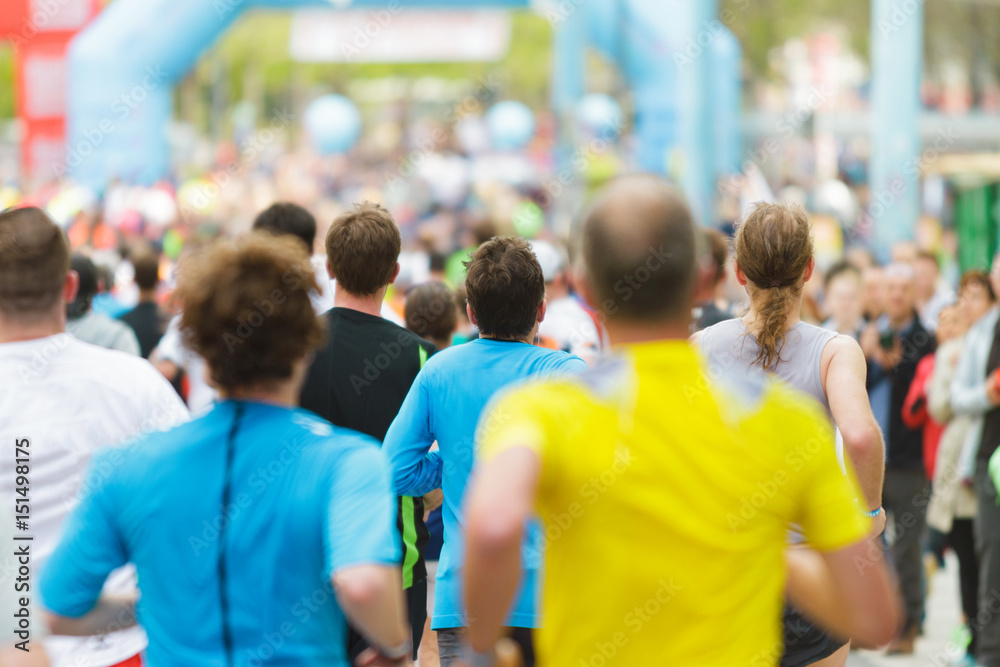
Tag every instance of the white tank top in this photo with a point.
(728, 346)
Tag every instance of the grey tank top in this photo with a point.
(728, 347)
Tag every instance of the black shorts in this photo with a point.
(804, 642)
(416, 605)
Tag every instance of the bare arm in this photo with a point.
(500, 501)
(844, 383)
(372, 598)
(849, 591)
(110, 614)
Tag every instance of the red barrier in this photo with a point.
(40, 32)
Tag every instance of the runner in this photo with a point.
(432, 313)
(256, 528)
(362, 373)
(665, 499)
(66, 400)
(506, 294)
(774, 258)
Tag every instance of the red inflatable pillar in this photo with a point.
(40, 31)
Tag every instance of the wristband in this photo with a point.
(871, 514)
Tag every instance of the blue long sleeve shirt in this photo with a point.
(444, 405)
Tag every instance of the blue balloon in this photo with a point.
(333, 124)
(600, 115)
(511, 125)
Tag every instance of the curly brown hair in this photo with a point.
(247, 309)
(773, 248)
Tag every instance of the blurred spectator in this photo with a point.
(465, 330)
(894, 345)
(715, 309)
(568, 325)
(975, 391)
(104, 301)
(146, 319)
(432, 313)
(873, 297)
(284, 218)
(952, 505)
(844, 305)
(915, 410)
(932, 294)
(88, 326)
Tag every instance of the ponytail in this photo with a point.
(773, 249)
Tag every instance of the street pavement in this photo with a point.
(944, 614)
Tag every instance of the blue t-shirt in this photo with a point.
(306, 500)
(444, 404)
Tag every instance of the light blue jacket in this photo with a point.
(968, 389)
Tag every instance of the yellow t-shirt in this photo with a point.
(666, 505)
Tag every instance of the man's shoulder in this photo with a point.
(323, 439)
(126, 368)
(377, 330)
(559, 360)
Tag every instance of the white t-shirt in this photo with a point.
(171, 348)
(572, 328)
(68, 399)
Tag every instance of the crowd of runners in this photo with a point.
(574, 456)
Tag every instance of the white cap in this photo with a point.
(549, 257)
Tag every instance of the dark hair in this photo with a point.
(362, 246)
(431, 311)
(639, 249)
(718, 244)
(505, 287)
(977, 278)
(839, 269)
(773, 248)
(438, 261)
(34, 261)
(929, 256)
(87, 271)
(286, 218)
(147, 270)
(247, 309)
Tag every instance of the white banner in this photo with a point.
(394, 35)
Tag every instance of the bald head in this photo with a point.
(639, 250)
(34, 260)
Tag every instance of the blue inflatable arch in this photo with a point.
(680, 62)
